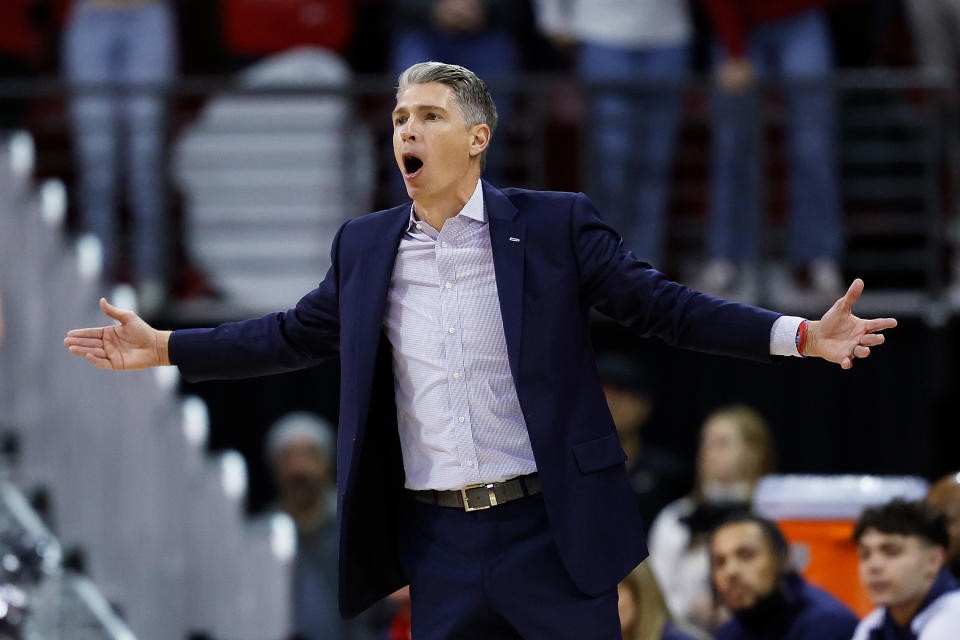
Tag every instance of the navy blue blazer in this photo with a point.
(567, 260)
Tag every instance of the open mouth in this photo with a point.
(411, 165)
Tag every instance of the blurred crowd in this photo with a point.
(717, 569)
(635, 58)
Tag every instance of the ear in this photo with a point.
(936, 557)
(479, 139)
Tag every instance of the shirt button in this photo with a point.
(443, 244)
(419, 226)
(449, 285)
(469, 463)
(462, 419)
(456, 374)
(452, 330)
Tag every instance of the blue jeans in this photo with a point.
(797, 51)
(632, 134)
(488, 54)
(124, 46)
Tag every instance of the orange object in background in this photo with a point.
(827, 557)
(817, 514)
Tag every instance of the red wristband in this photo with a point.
(802, 339)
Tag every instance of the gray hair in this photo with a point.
(300, 425)
(469, 91)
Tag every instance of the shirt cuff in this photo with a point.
(783, 336)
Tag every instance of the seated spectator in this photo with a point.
(736, 450)
(657, 476)
(751, 571)
(301, 449)
(119, 54)
(788, 40)
(902, 547)
(632, 130)
(944, 496)
(643, 611)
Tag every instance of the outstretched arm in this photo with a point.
(132, 344)
(839, 336)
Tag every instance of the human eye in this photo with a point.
(432, 116)
(398, 120)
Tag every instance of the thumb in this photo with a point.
(852, 294)
(116, 313)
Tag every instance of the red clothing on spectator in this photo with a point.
(17, 35)
(400, 626)
(263, 27)
(733, 19)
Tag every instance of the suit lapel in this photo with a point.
(377, 262)
(507, 242)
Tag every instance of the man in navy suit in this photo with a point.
(476, 459)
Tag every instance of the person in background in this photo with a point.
(944, 496)
(119, 55)
(643, 612)
(255, 29)
(752, 576)
(786, 40)
(936, 34)
(26, 30)
(300, 449)
(632, 130)
(657, 476)
(902, 547)
(736, 450)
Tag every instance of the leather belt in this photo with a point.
(483, 496)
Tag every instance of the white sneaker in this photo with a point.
(151, 296)
(825, 278)
(718, 277)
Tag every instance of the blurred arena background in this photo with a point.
(194, 162)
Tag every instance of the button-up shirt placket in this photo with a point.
(458, 376)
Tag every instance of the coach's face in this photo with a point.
(435, 150)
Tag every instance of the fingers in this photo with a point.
(102, 363)
(879, 324)
(872, 339)
(88, 351)
(83, 342)
(86, 333)
(852, 294)
(861, 351)
(846, 363)
(120, 315)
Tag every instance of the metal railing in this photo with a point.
(897, 161)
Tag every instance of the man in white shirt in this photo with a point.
(902, 547)
(477, 460)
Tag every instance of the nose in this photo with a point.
(406, 133)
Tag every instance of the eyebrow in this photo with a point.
(422, 107)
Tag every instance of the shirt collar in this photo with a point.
(473, 209)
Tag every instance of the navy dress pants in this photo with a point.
(495, 574)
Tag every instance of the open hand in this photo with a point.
(133, 344)
(839, 336)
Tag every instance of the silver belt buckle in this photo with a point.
(491, 494)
